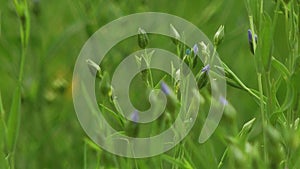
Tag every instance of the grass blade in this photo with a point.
(289, 86)
(14, 120)
(3, 161)
(174, 161)
(2, 113)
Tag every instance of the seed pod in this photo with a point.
(143, 39)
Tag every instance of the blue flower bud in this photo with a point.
(205, 69)
(195, 49)
(250, 40)
(135, 116)
(165, 88)
(223, 100)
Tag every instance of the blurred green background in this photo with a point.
(50, 134)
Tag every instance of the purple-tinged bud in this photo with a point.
(206, 68)
(223, 100)
(135, 116)
(250, 40)
(165, 88)
(195, 49)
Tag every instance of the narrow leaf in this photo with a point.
(289, 97)
(174, 161)
(266, 40)
(14, 119)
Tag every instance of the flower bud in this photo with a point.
(219, 36)
(165, 88)
(205, 51)
(134, 116)
(143, 39)
(250, 40)
(175, 34)
(94, 68)
(247, 127)
(205, 68)
(195, 49)
(188, 51)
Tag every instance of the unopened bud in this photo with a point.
(175, 34)
(247, 127)
(204, 50)
(219, 36)
(143, 39)
(94, 68)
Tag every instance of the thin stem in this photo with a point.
(269, 94)
(22, 63)
(150, 72)
(85, 156)
(223, 158)
(259, 77)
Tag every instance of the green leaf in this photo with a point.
(175, 161)
(289, 97)
(92, 144)
(3, 161)
(281, 68)
(2, 113)
(265, 42)
(14, 120)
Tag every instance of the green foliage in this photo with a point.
(40, 40)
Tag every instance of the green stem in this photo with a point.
(150, 72)
(269, 94)
(22, 63)
(259, 77)
(223, 158)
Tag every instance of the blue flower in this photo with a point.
(223, 100)
(195, 49)
(135, 116)
(206, 68)
(165, 88)
(251, 41)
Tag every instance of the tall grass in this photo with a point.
(268, 146)
(10, 129)
(259, 129)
